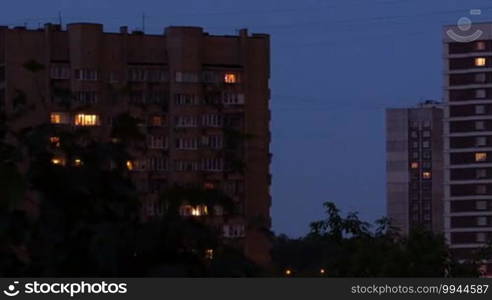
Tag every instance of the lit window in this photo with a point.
(414, 165)
(195, 211)
(86, 120)
(230, 78)
(288, 272)
(129, 165)
(322, 271)
(78, 162)
(55, 141)
(209, 254)
(58, 161)
(426, 175)
(480, 156)
(480, 61)
(56, 118)
(480, 46)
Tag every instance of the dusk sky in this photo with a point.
(336, 65)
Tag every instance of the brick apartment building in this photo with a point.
(414, 167)
(468, 138)
(189, 89)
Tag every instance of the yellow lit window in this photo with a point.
(426, 175)
(230, 78)
(209, 254)
(86, 120)
(480, 156)
(129, 165)
(414, 165)
(480, 61)
(56, 118)
(78, 162)
(195, 211)
(55, 141)
(58, 161)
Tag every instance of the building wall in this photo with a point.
(415, 167)
(468, 195)
(180, 58)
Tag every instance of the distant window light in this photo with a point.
(78, 162)
(230, 78)
(129, 165)
(55, 141)
(193, 211)
(58, 161)
(414, 165)
(56, 118)
(480, 61)
(480, 157)
(426, 175)
(86, 120)
(209, 254)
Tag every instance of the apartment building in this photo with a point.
(191, 91)
(414, 167)
(468, 139)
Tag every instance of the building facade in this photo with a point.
(414, 169)
(191, 90)
(468, 138)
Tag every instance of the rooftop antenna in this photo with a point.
(60, 18)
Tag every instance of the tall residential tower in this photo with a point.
(203, 102)
(414, 148)
(468, 138)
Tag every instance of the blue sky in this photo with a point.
(335, 66)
